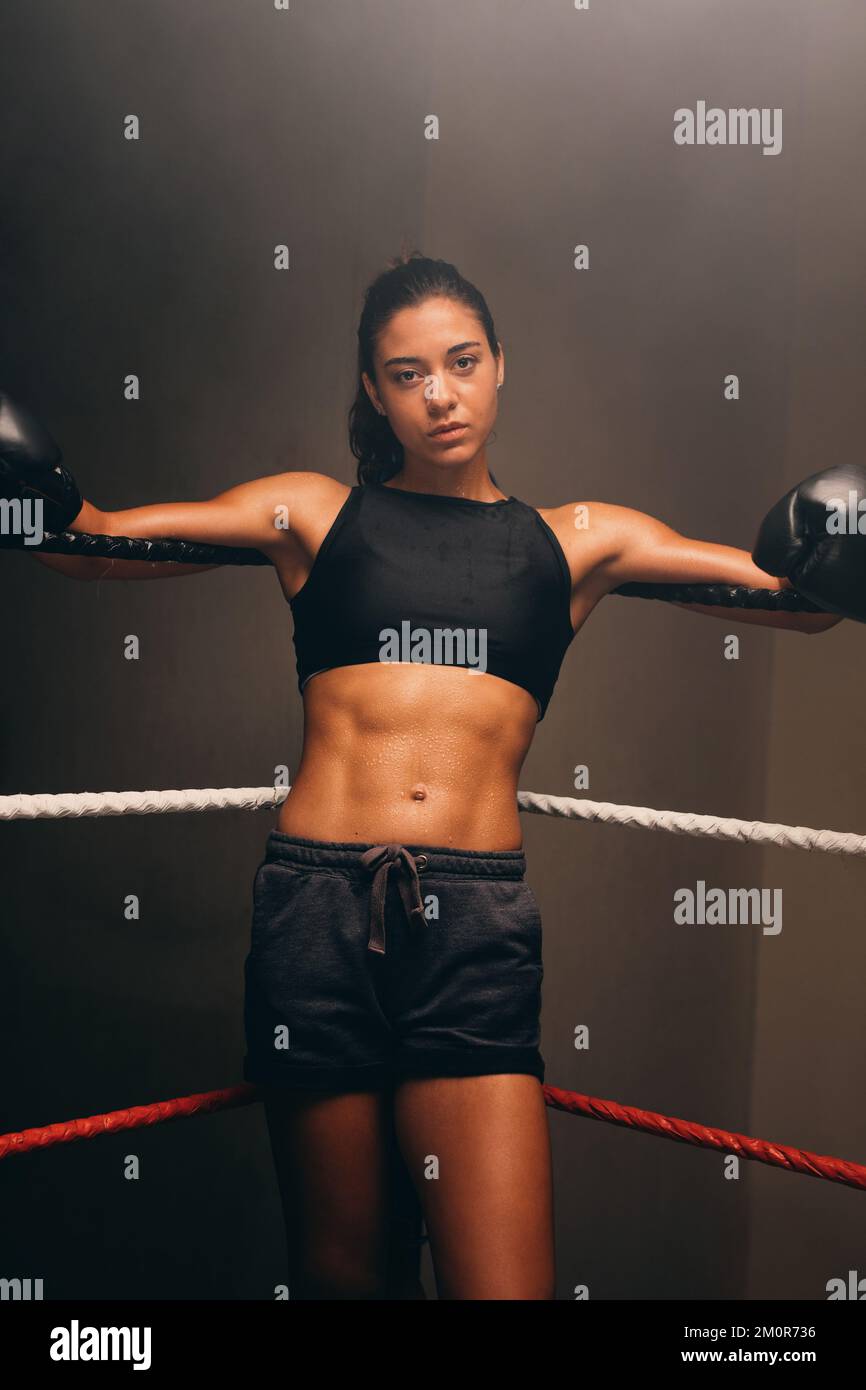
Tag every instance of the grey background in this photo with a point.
(156, 258)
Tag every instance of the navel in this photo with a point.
(419, 792)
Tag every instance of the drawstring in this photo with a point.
(380, 859)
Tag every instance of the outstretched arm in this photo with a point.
(92, 521)
(635, 548)
(257, 515)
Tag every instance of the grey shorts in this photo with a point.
(373, 963)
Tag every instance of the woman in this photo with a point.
(394, 977)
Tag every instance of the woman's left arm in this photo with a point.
(636, 548)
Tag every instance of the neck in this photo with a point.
(471, 481)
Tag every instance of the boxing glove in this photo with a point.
(815, 536)
(30, 467)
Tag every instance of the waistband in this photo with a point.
(440, 859)
(377, 863)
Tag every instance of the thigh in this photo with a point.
(466, 987)
(478, 1150)
(352, 1217)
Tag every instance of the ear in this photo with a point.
(372, 393)
(500, 378)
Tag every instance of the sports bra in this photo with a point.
(415, 576)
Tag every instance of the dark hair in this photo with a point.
(409, 280)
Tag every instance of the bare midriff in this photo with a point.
(413, 754)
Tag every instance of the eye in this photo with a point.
(400, 377)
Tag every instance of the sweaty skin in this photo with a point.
(423, 754)
(420, 754)
(415, 754)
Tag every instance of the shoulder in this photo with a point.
(595, 536)
(587, 531)
(591, 516)
(601, 529)
(309, 489)
(306, 503)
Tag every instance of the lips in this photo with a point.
(446, 431)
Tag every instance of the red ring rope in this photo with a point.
(663, 1126)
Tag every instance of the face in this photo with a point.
(434, 367)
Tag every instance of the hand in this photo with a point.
(31, 468)
(816, 537)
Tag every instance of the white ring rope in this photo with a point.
(42, 807)
(690, 823)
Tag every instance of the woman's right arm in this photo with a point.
(89, 567)
(270, 514)
(258, 515)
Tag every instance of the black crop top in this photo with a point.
(415, 576)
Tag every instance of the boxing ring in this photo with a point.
(96, 804)
(42, 807)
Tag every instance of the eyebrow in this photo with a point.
(458, 347)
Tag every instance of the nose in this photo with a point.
(437, 392)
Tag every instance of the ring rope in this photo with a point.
(174, 551)
(591, 1107)
(48, 806)
(664, 1126)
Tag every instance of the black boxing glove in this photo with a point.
(30, 467)
(815, 536)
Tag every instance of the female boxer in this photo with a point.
(393, 981)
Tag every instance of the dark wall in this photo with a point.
(155, 258)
